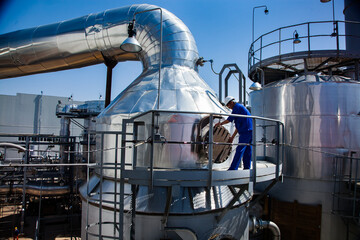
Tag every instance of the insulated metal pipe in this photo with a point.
(87, 40)
(13, 145)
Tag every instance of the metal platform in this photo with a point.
(277, 56)
(116, 186)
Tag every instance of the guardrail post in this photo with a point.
(261, 43)
(308, 36)
(135, 138)
(253, 153)
(153, 133)
(210, 155)
(277, 149)
(220, 87)
(122, 180)
(116, 170)
(264, 138)
(280, 42)
(337, 38)
(253, 54)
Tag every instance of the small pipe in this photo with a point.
(273, 228)
(110, 64)
(35, 190)
(13, 145)
(258, 224)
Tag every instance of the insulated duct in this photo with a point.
(87, 40)
(90, 39)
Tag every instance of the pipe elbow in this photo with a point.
(259, 224)
(273, 228)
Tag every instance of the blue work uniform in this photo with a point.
(244, 128)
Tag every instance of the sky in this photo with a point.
(222, 30)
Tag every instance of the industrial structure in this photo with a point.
(42, 165)
(308, 77)
(151, 164)
(158, 169)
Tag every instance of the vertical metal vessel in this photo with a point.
(321, 116)
(311, 92)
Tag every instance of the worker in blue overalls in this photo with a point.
(243, 126)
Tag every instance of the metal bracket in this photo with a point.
(232, 202)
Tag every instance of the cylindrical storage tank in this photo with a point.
(322, 118)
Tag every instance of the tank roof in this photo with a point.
(279, 56)
(313, 78)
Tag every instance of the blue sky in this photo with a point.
(222, 30)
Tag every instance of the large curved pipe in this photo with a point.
(87, 40)
(93, 38)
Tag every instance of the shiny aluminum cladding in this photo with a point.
(321, 121)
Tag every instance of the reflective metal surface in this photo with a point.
(84, 41)
(185, 135)
(152, 201)
(234, 224)
(321, 116)
(176, 86)
(181, 89)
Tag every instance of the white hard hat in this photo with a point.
(228, 99)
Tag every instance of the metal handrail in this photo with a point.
(151, 173)
(252, 60)
(207, 113)
(278, 124)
